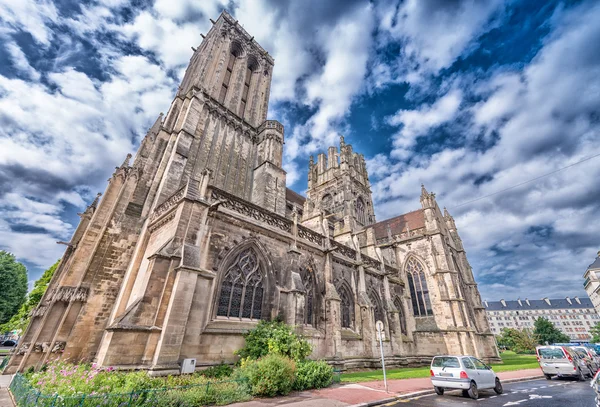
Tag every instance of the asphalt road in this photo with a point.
(535, 393)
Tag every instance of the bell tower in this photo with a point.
(339, 189)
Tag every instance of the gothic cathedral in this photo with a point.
(198, 238)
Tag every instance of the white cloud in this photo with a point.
(30, 16)
(542, 119)
(20, 60)
(418, 122)
(433, 34)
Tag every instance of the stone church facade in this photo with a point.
(197, 238)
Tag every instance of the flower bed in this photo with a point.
(273, 362)
(66, 385)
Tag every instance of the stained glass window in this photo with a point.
(347, 306)
(242, 288)
(417, 284)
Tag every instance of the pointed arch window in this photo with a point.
(347, 306)
(419, 292)
(327, 202)
(242, 288)
(378, 313)
(361, 214)
(309, 299)
(400, 308)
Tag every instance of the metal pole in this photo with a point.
(382, 358)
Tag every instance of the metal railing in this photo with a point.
(217, 392)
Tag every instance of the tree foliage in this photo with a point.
(595, 331)
(20, 320)
(519, 341)
(13, 285)
(274, 337)
(547, 333)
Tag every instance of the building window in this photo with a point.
(227, 78)
(242, 289)
(309, 299)
(246, 90)
(347, 306)
(398, 305)
(378, 314)
(418, 288)
(327, 202)
(361, 215)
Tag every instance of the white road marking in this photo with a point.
(531, 397)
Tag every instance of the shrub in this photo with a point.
(217, 372)
(274, 337)
(219, 394)
(313, 375)
(270, 375)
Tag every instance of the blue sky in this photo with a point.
(467, 97)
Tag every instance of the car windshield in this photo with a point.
(445, 361)
(551, 353)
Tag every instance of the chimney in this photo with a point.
(520, 303)
(503, 303)
(527, 301)
(547, 300)
(578, 300)
(569, 301)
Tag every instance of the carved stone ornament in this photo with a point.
(70, 294)
(58, 347)
(38, 347)
(23, 349)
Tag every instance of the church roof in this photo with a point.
(294, 197)
(595, 264)
(559, 303)
(413, 220)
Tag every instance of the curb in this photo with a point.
(431, 391)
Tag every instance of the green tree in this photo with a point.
(13, 285)
(548, 333)
(519, 341)
(595, 331)
(20, 320)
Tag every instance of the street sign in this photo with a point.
(380, 331)
(381, 337)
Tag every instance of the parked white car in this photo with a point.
(463, 372)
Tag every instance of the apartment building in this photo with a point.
(592, 282)
(573, 316)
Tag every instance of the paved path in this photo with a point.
(536, 393)
(5, 400)
(365, 392)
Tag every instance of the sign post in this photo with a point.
(381, 337)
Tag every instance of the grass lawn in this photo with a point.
(511, 360)
(4, 351)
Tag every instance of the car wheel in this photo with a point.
(473, 392)
(498, 388)
(548, 376)
(438, 390)
(581, 376)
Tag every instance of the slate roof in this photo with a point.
(559, 303)
(595, 264)
(294, 197)
(413, 220)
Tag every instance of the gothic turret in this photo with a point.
(339, 188)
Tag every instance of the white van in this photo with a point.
(463, 372)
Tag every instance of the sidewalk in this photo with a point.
(5, 400)
(367, 392)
